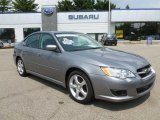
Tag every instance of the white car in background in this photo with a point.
(4, 44)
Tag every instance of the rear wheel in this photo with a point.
(80, 88)
(21, 68)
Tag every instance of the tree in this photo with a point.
(66, 5)
(4, 5)
(79, 5)
(127, 7)
(103, 5)
(84, 4)
(25, 6)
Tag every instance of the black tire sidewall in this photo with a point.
(90, 94)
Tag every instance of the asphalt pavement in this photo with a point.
(33, 98)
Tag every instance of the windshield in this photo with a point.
(111, 36)
(75, 42)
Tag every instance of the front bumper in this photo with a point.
(111, 41)
(134, 87)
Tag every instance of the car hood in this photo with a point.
(111, 58)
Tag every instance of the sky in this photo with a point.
(137, 3)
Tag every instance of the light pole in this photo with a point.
(109, 18)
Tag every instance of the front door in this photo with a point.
(49, 62)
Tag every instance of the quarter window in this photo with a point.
(33, 41)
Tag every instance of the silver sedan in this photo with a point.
(83, 66)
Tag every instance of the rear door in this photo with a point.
(30, 52)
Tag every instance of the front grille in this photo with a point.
(144, 88)
(145, 71)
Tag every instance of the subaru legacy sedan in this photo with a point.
(83, 66)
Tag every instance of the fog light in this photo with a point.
(119, 93)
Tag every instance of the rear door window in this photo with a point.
(33, 41)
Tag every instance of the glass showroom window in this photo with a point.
(27, 31)
(138, 31)
(128, 31)
(7, 35)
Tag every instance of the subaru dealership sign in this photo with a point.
(84, 17)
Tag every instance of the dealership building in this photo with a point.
(127, 24)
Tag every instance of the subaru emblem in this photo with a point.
(48, 11)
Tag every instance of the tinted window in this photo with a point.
(33, 41)
(46, 39)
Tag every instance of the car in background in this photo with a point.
(6, 43)
(82, 65)
(109, 39)
(1, 44)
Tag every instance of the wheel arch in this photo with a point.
(18, 57)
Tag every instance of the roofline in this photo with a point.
(83, 11)
(19, 12)
(138, 9)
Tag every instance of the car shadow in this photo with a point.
(48, 83)
(118, 106)
(113, 106)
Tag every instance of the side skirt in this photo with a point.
(47, 78)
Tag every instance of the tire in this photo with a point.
(21, 68)
(80, 88)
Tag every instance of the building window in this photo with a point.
(138, 31)
(27, 31)
(7, 35)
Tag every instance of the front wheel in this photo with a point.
(80, 88)
(21, 68)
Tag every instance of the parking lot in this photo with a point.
(32, 98)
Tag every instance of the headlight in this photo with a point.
(118, 73)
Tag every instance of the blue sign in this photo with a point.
(149, 40)
(83, 17)
(48, 10)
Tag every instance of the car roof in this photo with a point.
(59, 32)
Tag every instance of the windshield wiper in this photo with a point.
(85, 49)
(95, 48)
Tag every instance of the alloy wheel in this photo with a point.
(20, 67)
(78, 87)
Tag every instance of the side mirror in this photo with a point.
(51, 47)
